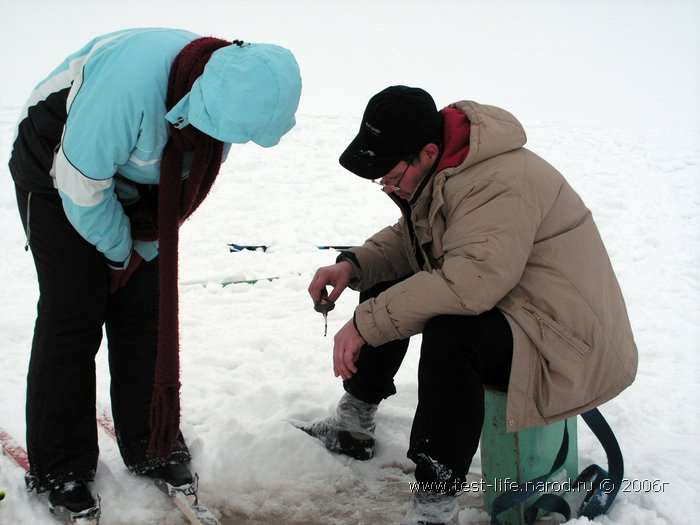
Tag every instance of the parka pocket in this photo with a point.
(565, 376)
(548, 327)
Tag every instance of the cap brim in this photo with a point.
(360, 159)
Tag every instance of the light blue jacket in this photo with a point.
(117, 121)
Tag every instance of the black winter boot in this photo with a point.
(175, 474)
(71, 496)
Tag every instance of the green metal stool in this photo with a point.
(509, 459)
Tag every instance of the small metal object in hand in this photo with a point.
(324, 306)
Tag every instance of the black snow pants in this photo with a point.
(459, 356)
(74, 305)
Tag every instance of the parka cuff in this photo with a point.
(352, 259)
(354, 322)
(376, 326)
(118, 265)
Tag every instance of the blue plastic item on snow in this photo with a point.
(263, 247)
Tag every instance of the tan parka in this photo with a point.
(504, 229)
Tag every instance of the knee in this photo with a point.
(441, 331)
(441, 341)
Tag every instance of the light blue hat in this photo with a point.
(245, 93)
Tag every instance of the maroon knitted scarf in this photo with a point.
(177, 199)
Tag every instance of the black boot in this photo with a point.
(175, 474)
(175, 471)
(71, 496)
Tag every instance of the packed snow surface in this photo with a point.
(608, 93)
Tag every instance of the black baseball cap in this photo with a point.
(397, 122)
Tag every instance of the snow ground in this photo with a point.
(608, 93)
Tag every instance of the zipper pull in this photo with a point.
(541, 322)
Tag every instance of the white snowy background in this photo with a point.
(608, 93)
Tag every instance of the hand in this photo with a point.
(347, 344)
(337, 275)
(118, 278)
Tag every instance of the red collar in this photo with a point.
(456, 138)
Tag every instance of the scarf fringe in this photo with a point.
(165, 421)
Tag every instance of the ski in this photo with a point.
(247, 247)
(226, 282)
(185, 499)
(14, 450)
(248, 281)
(18, 455)
(234, 248)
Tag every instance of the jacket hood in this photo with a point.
(246, 93)
(492, 131)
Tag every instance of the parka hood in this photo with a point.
(246, 93)
(492, 131)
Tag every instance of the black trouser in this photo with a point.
(459, 356)
(74, 304)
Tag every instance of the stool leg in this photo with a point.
(510, 459)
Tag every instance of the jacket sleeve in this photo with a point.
(381, 258)
(104, 120)
(488, 238)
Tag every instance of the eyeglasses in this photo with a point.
(392, 187)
